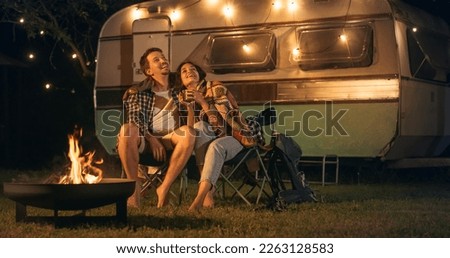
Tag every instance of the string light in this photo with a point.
(175, 15)
(74, 56)
(277, 4)
(343, 37)
(31, 56)
(50, 87)
(42, 32)
(137, 13)
(414, 29)
(246, 48)
(22, 20)
(228, 11)
(292, 6)
(295, 54)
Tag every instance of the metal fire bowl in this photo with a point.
(70, 196)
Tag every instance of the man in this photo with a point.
(152, 126)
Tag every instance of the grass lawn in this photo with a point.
(392, 209)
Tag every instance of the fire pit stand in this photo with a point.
(73, 197)
(121, 213)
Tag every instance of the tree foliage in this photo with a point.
(73, 24)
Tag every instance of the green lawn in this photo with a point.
(418, 209)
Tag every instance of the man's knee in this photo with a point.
(129, 130)
(129, 133)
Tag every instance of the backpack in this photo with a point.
(287, 183)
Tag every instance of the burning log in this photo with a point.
(82, 170)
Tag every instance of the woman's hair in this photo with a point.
(179, 83)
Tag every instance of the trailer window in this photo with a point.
(336, 47)
(244, 53)
(428, 55)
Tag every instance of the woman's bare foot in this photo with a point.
(195, 206)
(208, 202)
(204, 189)
(162, 200)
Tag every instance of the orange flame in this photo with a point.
(81, 171)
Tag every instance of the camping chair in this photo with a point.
(251, 178)
(152, 172)
(257, 178)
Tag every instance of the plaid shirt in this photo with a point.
(139, 102)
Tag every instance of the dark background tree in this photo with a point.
(35, 120)
(72, 26)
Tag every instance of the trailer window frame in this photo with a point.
(426, 52)
(343, 46)
(242, 52)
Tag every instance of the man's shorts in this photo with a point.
(166, 141)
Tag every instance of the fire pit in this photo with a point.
(58, 197)
(83, 188)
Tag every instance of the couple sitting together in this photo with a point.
(183, 114)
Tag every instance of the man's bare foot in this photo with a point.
(134, 202)
(162, 200)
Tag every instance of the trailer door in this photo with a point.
(147, 33)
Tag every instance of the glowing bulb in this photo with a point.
(296, 54)
(74, 56)
(292, 6)
(228, 11)
(414, 29)
(47, 86)
(137, 13)
(175, 15)
(21, 20)
(246, 48)
(276, 4)
(31, 56)
(343, 37)
(42, 32)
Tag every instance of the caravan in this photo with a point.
(350, 78)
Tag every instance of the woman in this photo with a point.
(207, 95)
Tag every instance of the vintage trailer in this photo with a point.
(350, 78)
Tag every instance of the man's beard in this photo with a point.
(165, 71)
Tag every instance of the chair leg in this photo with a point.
(237, 191)
(255, 183)
(265, 178)
(183, 186)
(157, 177)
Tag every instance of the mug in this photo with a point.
(188, 95)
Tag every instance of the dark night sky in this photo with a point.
(437, 7)
(41, 120)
